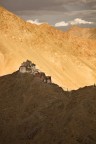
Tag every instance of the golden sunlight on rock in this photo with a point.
(69, 57)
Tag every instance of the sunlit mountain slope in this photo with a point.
(69, 58)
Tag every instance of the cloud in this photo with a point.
(63, 23)
(79, 21)
(74, 22)
(34, 22)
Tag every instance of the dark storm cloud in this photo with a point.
(56, 5)
(52, 11)
(53, 16)
(19, 5)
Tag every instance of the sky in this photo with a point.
(59, 13)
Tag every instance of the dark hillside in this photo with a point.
(34, 112)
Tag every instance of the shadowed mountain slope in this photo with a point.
(33, 112)
(68, 58)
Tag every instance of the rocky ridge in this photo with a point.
(35, 112)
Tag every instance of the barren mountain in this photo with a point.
(68, 57)
(89, 33)
(34, 112)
